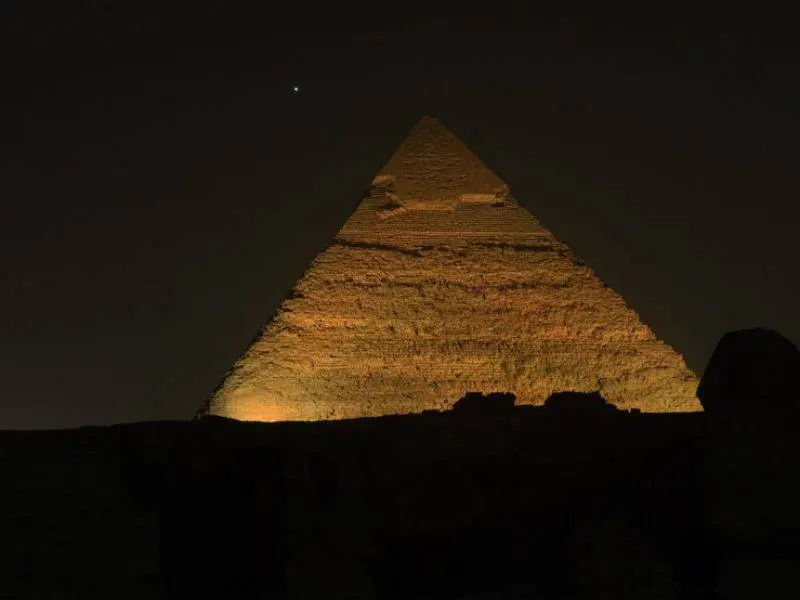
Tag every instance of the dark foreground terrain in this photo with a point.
(571, 500)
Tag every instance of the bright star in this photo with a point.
(295, 89)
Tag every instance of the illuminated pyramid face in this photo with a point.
(437, 285)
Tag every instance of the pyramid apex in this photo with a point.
(432, 166)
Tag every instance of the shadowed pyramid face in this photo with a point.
(437, 285)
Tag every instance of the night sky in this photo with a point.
(162, 187)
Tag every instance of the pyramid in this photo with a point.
(439, 284)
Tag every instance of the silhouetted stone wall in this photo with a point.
(575, 499)
(392, 506)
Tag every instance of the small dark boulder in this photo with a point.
(493, 402)
(582, 401)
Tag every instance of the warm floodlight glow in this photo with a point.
(265, 407)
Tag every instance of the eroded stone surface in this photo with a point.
(440, 284)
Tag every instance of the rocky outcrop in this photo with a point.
(752, 405)
(440, 284)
